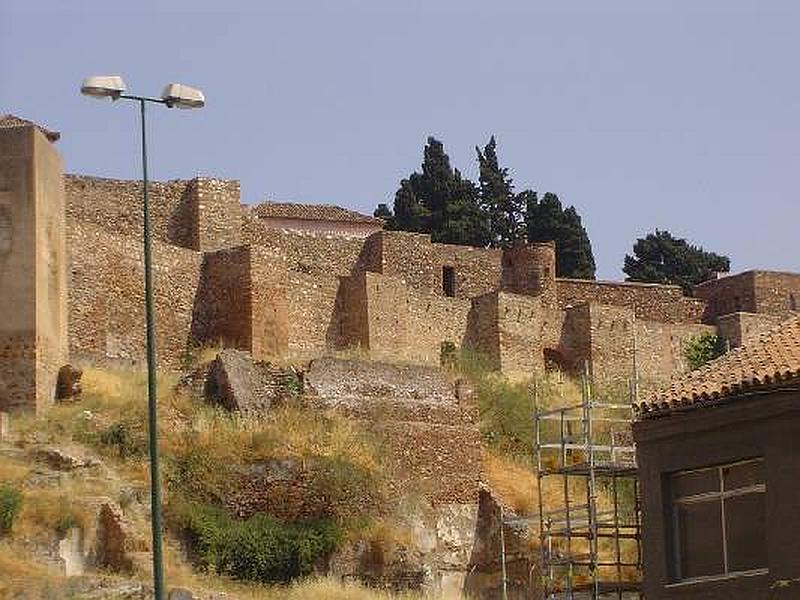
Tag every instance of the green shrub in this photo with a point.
(260, 548)
(197, 472)
(293, 384)
(10, 505)
(127, 438)
(702, 349)
(506, 415)
(66, 521)
(351, 490)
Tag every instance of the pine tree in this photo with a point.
(506, 213)
(440, 201)
(463, 220)
(409, 212)
(546, 220)
(662, 258)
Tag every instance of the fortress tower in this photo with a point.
(33, 277)
(530, 269)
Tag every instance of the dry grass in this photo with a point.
(45, 510)
(12, 471)
(287, 432)
(208, 353)
(21, 576)
(108, 395)
(327, 588)
(179, 573)
(322, 588)
(512, 480)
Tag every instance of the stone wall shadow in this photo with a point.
(180, 225)
(484, 578)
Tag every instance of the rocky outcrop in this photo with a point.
(433, 456)
(352, 382)
(238, 383)
(66, 458)
(68, 383)
(115, 541)
(485, 578)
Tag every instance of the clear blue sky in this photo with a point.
(678, 114)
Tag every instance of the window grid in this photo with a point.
(720, 495)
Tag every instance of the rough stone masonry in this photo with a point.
(298, 281)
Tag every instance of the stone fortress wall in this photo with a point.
(33, 275)
(300, 287)
(295, 288)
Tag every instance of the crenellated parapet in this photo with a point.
(301, 280)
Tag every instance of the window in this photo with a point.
(449, 281)
(718, 520)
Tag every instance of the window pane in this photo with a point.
(743, 475)
(696, 482)
(745, 530)
(699, 530)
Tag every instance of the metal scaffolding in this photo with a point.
(589, 528)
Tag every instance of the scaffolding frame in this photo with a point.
(586, 547)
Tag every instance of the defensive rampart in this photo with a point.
(283, 280)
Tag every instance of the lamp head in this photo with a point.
(177, 95)
(103, 86)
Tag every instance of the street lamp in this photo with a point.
(175, 95)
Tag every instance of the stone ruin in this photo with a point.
(292, 280)
(281, 281)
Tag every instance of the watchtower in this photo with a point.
(33, 276)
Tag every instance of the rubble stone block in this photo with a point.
(239, 383)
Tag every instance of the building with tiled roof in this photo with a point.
(9, 120)
(770, 362)
(314, 219)
(311, 212)
(718, 453)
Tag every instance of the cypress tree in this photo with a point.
(409, 213)
(505, 211)
(440, 201)
(546, 220)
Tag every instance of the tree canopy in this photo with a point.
(547, 219)
(504, 208)
(439, 201)
(453, 210)
(662, 258)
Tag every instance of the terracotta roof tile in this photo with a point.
(9, 120)
(771, 360)
(311, 212)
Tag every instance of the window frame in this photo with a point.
(718, 497)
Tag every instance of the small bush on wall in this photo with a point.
(10, 504)
(702, 349)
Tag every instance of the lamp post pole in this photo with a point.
(175, 95)
(152, 396)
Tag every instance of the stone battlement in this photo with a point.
(298, 281)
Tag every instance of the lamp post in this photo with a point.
(177, 96)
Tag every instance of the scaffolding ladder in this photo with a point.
(590, 527)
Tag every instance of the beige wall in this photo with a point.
(743, 327)
(344, 228)
(106, 297)
(51, 269)
(33, 330)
